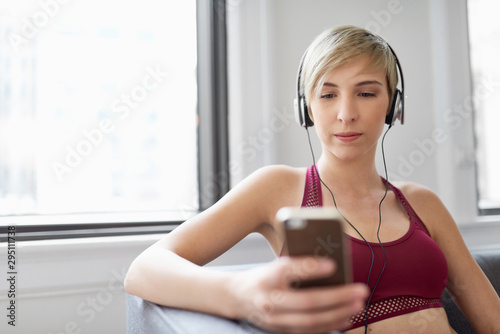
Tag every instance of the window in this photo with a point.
(484, 38)
(99, 109)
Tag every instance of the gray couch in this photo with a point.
(147, 318)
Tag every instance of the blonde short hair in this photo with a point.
(335, 47)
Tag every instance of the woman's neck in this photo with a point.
(355, 177)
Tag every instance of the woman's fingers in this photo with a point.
(279, 307)
(310, 322)
(306, 319)
(311, 299)
(297, 269)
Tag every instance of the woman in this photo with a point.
(349, 80)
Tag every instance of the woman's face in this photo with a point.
(349, 114)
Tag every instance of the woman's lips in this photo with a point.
(348, 136)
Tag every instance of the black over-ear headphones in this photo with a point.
(396, 111)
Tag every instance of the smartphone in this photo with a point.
(317, 232)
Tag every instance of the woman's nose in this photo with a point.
(347, 110)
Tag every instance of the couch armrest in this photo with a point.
(144, 317)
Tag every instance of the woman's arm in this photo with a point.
(170, 273)
(161, 273)
(467, 283)
(163, 277)
(261, 295)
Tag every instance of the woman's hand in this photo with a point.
(264, 297)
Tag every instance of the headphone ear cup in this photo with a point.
(296, 111)
(396, 109)
(305, 110)
(301, 112)
(399, 108)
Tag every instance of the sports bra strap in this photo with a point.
(408, 208)
(313, 198)
(312, 192)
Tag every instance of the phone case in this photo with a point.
(317, 232)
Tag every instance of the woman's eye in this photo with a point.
(367, 94)
(327, 96)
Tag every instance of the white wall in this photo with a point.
(267, 39)
(72, 286)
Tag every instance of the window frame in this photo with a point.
(492, 211)
(212, 151)
(488, 211)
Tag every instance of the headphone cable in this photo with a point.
(379, 222)
(378, 229)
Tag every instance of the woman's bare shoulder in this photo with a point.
(426, 204)
(273, 179)
(272, 186)
(280, 173)
(413, 190)
(276, 186)
(421, 198)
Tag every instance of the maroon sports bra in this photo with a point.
(416, 272)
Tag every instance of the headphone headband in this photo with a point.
(299, 103)
(397, 107)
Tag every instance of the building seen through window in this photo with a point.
(484, 39)
(98, 107)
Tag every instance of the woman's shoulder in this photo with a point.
(418, 196)
(279, 184)
(274, 183)
(412, 190)
(270, 188)
(425, 203)
(280, 172)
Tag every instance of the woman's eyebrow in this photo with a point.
(369, 82)
(329, 84)
(362, 83)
